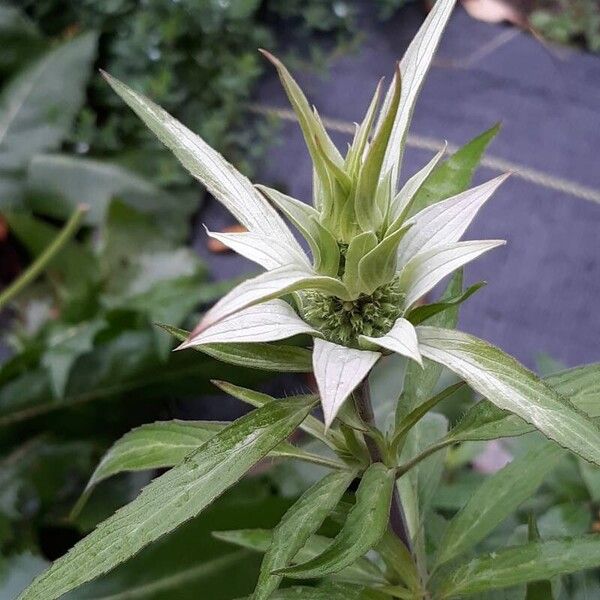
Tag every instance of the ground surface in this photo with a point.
(544, 286)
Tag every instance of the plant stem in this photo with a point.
(398, 523)
(41, 262)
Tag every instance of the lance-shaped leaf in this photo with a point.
(361, 571)
(165, 444)
(370, 172)
(401, 338)
(379, 265)
(269, 253)
(267, 286)
(445, 222)
(520, 564)
(267, 357)
(323, 245)
(485, 421)
(402, 202)
(366, 523)
(425, 270)
(316, 138)
(311, 125)
(422, 313)
(413, 68)
(497, 498)
(173, 498)
(221, 179)
(265, 322)
(510, 386)
(454, 175)
(361, 136)
(301, 521)
(310, 425)
(338, 370)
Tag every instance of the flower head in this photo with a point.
(373, 255)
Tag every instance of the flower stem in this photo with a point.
(398, 523)
(40, 263)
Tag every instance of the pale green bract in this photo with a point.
(371, 261)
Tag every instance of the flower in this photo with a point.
(373, 257)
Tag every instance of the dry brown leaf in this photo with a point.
(218, 247)
(495, 11)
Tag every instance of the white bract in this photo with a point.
(371, 259)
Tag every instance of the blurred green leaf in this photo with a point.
(498, 497)
(65, 345)
(520, 564)
(565, 520)
(58, 182)
(37, 109)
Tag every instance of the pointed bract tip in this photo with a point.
(270, 57)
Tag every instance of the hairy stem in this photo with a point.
(398, 523)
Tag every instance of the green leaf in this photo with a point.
(166, 443)
(510, 386)
(417, 487)
(453, 175)
(173, 498)
(65, 345)
(189, 560)
(497, 498)
(57, 183)
(370, 173)
(268, 357)
(37, 109)
(485, 421)
(362, 571)
(301, 521)
(365, 526)
(568, 519)
(520, 564)
(422, 313)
